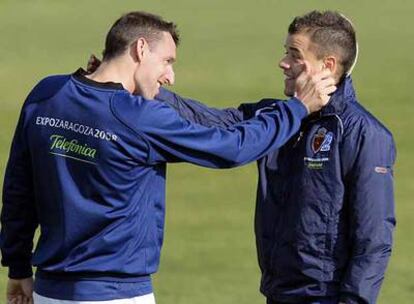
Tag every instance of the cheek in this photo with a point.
(146, 70)
(157, 69)
(296, 68)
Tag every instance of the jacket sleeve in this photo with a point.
(370, 200)
(250, 110)
(200, 113)
(171, 138)
(18, 215)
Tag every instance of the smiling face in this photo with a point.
(156, 65)
(299, 48)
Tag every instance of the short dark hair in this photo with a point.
(131, 26)
(331, 32)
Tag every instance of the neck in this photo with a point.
(117, 70)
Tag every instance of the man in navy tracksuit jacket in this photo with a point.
(88, 163)
(325, 206)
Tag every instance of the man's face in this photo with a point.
(156, 67)
(299, 48)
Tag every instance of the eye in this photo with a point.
(293, 55)
(169, 61)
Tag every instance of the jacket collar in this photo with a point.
(344, 93)
(80, 75)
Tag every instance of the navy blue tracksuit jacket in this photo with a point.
(325, 204)
(88, 164)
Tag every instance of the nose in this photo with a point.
(283, 64)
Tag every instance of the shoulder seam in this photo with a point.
(125, 124)
(47, 97)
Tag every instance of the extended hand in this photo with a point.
(314, 89)
(20, 291)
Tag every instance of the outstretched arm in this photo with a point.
(171, 138)
(200, 113)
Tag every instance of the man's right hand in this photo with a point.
(313, 89)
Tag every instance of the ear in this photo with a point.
(141, 48)
(331, 63)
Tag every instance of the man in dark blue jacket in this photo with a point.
(325, 205)
(88, 164)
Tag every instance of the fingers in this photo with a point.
(329, 90)
(307, 75)
(324, 93)
(20, 299)
(314, 90)
(28, 300)
(23, 300)
(11, 301)
(15, 300)
(322, 82)
(307, 80)
(326, 73)
(20, 291)
(325, 86)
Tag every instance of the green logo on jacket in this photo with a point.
(61, 144)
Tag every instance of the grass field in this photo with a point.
(229, 54)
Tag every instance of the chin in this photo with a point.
(153, 94)
(289, 89)
(289, 93)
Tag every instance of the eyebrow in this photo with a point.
(294, 49)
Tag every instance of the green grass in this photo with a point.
(229, 54)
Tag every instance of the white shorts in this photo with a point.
(146, 299)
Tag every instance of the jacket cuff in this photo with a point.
(350, 299)
(298, 107)
(20, 271)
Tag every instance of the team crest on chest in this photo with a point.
(322, 140)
